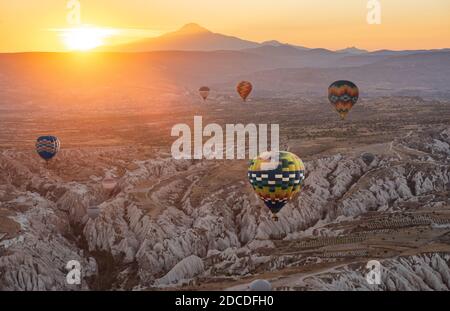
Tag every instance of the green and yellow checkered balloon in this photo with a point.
(276, 183)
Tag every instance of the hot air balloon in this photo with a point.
(109, 183)
(260, 286)
(244, 88)
(204, 92)
(47, 147)
(343, 95)
(93, 212)
(276, 183)
(368, 158)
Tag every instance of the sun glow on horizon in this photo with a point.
(34, 26)
(85, 38)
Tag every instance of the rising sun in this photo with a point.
(85, 38)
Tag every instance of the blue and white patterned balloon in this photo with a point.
(47, 147)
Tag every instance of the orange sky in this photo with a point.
(31, 25)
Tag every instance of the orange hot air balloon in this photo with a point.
(343, 95)
(204, 92)
(244, 88)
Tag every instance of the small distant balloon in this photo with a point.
(368, 158)
(343, 95)
(93, 212)
(244, 88)
(47, 147)
(204, 92)
(276, 183)
(260, 286)
(109, 183)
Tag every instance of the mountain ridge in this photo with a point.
(194, 37)
(190, 37)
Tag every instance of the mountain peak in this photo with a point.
(352, 50)
(272, 43)
(192, 28)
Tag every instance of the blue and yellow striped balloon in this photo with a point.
(276, 183)
(47, 147)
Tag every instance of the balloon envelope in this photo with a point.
(368, 158)
(260, 286)
(204, 92)
(343, 95)
(47, 147)
(276, 182)
(244, 88)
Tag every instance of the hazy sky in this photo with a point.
(406, 24)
